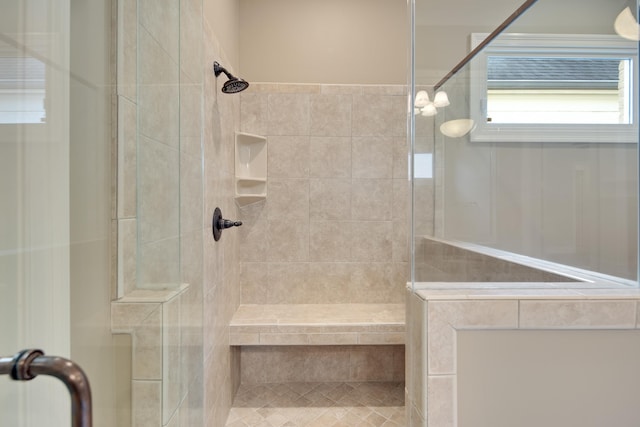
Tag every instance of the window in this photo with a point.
(22, 85)
(562, 88)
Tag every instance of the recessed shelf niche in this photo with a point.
(251, 168)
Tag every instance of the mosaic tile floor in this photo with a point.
(319, 405)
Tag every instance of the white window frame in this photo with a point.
(564, 45)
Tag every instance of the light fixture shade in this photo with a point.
(457, 128)
(626, 25)
(441, 99)
(422, 99)
(429, 110)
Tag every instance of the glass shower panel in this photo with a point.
(55, 187)
(536, 152)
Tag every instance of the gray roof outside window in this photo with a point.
(509, 72)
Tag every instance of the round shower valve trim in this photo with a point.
(219, 223)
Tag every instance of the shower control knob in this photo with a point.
(225, 223)
(219, 223)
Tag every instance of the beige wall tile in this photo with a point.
(400, 241)
(159, 264)
(401, 200)
(330, 115)
(577, 314)
(379, 115)
(415, 417)
(372, 241)
(330, 157)
(125, 317)
(254, 112)
(161, 19)
(253, 234)
(190, 117)
(252, 363)
(334, 339)
(127, 158)
(288, 241)
(441, 398)
(147, 403)
(288, 114)
(283, 339)
(254, 282)
(127, 49)
(367, 364)
(285, 365)
(397, 90)
(332, 364)
(401, 158)
(191, 39)
(444, 317)
(301, 88)
(158, 92)
(147, 347)
(191, 259)
(376, 338)
(191, 197)
(374, 282)
(330, 241)
(341, 89)
(371, 199)
(127, 255)
(330, 199)
(239, 338)
(159, 195)
(191, 336)
(287, 282)
(371, 157)
(288, 157)
(268, 110)
(172, 387)
(288, 200)
(329, 282)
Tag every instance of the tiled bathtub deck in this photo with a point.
(319, 405)
(318, 324)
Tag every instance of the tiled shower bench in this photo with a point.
(317, 324)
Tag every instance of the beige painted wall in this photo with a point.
(548, 378)
(366, 42)
(324, 41)
(224, 17)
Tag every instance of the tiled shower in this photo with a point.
(337, 169)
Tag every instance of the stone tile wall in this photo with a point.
(171, 123)
(334, 227)
(361, 363)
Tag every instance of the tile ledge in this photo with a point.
(153, 295)
(339, 324)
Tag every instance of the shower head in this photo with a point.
(234, 84)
